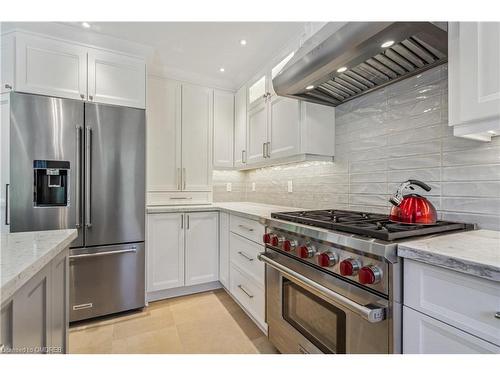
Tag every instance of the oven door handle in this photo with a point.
(373, 315)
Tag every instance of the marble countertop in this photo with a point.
(247, 209)
(24, 254)
(474, 252)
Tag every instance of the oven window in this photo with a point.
(317, 320)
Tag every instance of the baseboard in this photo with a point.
(182, 291)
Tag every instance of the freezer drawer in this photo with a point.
(106, 280)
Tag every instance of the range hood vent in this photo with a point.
(361, 57)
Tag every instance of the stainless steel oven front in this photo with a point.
(309, 311)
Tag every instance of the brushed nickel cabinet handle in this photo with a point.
(83, 306)
(91, 97)
(174, 198)
(182, 221)
(245, 227)
(187, 224)
(82, 96)
(268, 149)
(264, 150)
(8, 87)
(497, 315)
(244, 291)
(244, 255)
(7, 221)
(184, 178)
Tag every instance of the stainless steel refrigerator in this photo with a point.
(82, 165)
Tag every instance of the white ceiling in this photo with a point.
(200, 49)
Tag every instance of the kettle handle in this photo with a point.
(423, 185)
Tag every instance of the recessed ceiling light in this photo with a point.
(310, 87)
(243, 42)
(341, 70)
(387, 44)
(222, 70)
(86, 25)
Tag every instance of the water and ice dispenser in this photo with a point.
(51, 183)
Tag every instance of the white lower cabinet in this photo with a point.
(426, 335)
(224, 249)
(201, 247)
(165, 244)
(446, 311)
(182, 250)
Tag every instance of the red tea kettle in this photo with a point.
(412, 208)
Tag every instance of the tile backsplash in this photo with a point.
(383, 139)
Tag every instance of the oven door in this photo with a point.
(309, 311)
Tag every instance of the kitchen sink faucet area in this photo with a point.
(188, 186)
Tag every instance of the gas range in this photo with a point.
(346, 259)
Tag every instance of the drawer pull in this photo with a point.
(83, 306)
(244, 291)
(174, 198)
(497, 315)
(247, 257)
(246, 228)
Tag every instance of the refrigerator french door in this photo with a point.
(82, 165)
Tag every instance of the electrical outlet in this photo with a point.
(253, 186)
(290, 186)
(229, 186)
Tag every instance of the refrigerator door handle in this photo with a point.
(78, 176)
(7, 214)
(88, 173)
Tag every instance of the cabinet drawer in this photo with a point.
(244, 254)
(249, 294)
(183, 198)
(251, 229)
(464, 301)
(425, 335)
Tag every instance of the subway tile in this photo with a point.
(472, 173)
(426, 175)
(435, 188)
(422, 92)
(417, 135)
(368, 199)
(414, 122)
(368, 177)
(471, 205)
(472, 189)
(415, 162)
(427, 147)
(369, 188)
(418, 107)
(491, 222)
(490, 155)
(417, 81)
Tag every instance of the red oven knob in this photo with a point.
(349, 267)
(289, 245)
(277, 241)
(266, 238)
(370, 275)
(327, 259)
(306, 251)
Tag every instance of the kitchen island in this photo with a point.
(34, 291)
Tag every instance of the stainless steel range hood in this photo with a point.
(337, 66)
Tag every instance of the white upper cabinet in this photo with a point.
(202, 247)
(5, 160)
(240, 128)
(7, 55)
(116, 79)
(197, 138)
(50, 67)
(257, 92)
(284, 127)
(474, 79)
(223, 129)
(257, 134)
(69, 70)
(163, 135)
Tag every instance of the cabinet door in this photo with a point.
(474, 71)
(49, 67)
(7, 56)
(284, 127)
(202, 247)
(196, 138)
(116, 79)
(257, 133)
(224, 249)
(163, 121)
(240, 127)
(31, 314)
(60, 302)
(5, 159)
(257, 92)
(223, 129)
(165, 251)
(425, 335)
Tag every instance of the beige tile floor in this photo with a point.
(209, 322)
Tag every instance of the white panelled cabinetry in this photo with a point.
(224, 125)
(182, 251)
(474, 79)
(179, 142)
(224, 249)
(240, 128)
(449, 312)
(5, 159)
(65, 69)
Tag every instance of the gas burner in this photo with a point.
(366, 224)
